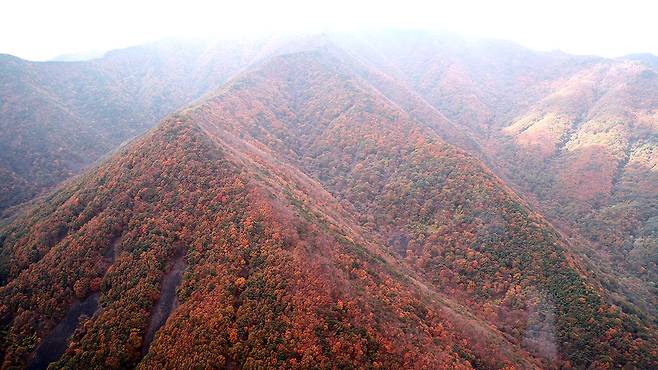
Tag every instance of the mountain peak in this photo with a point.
(392, 201)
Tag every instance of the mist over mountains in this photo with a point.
(375, 200)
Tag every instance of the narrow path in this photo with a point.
(167, 302)
(55, 343)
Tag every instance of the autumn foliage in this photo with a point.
(321, 226)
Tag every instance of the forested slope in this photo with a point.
(447, 215)
(318, 218)
(58, 117)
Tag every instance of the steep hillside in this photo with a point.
(475, 83)
(317, 211)
(441, 210)
(575, 135)
(58, 117)
(587, 152)
(648, 59)
(271, 277)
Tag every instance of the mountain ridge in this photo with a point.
(301, 188)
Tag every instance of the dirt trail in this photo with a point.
(54, 344)
(167, 302)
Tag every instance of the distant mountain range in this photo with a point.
(58, 117)
(78, 57)
(390, 199)
(648, 59)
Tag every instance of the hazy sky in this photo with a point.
(40, 30)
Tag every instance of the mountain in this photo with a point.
(587, 153)
(300, 217)
(284, 277)
(77, 57)
(394, 198)
(576, 136)
(538, 120)
(646, 58)
(59, 117)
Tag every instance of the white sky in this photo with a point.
(42, 29)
